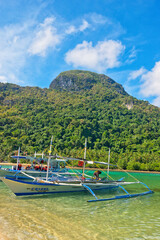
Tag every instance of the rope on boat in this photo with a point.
(120, 169)
(128, 173)
(68, 166)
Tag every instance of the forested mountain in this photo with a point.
(79, 105)
(77, 80)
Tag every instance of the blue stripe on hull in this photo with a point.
(83, 190)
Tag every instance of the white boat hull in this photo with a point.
(20, 188)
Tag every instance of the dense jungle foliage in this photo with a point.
(83, 105)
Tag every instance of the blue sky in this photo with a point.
(119, 38)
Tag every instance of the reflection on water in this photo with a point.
(70, 217)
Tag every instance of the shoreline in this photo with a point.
(115, 170)
(121, 170)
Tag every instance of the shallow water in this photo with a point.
(70, 217)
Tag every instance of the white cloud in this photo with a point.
(148, 83)
(20, 42)
(98, 18)
(132, 55)
(137, 73)
(99, 58)
(45, 37)
(14, 41)
(75, 29)
(71, 29)
(156, 101)
(84, 25)
(151, 82)
(92, 22)
(3, 79)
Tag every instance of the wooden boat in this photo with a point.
(67, 183)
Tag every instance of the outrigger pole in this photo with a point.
(123, 196)
(127, 195)
(90, 190)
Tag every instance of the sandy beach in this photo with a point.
(2, 237)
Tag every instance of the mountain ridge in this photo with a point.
(78, 80)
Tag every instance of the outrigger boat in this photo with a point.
(68, 183)
(62, 184)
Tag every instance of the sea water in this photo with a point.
(71, 217)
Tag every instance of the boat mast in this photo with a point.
(85, 150)
(50, 150)
(108, 162)
(18, 158)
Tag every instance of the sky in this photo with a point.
(39, 39)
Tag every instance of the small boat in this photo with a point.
(68, 183)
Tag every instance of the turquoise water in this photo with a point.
(5, 166)
(70, 217)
